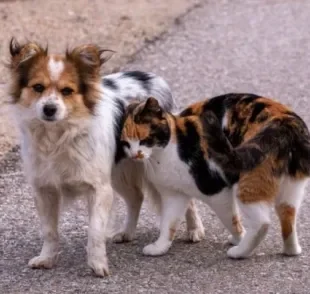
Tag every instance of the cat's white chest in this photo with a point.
(167, 170)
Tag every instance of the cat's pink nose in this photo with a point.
(139, 155)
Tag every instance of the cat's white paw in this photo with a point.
(196, 235)
(156, 249)
(43, 261)
(236, 252)
(99, 266)
(292, 250)
(122, 237)
(234, 240)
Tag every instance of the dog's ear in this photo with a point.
(89, 58)
(22, 53)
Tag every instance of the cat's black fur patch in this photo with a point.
(159, 135)
(257, 109)
(209, 182)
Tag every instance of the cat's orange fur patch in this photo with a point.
(136, 131)
(197, 108)
(287, 214)
(237, 224)
(250, 185)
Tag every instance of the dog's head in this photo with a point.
(54, 88)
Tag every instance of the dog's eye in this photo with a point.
(38, 88)
(66, 91)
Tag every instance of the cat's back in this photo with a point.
(243, 115)
(274, 127)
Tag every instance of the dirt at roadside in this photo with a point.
(122, 25)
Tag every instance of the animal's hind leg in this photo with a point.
(255, 197)
(195, 229)
(257, 220)
(133, 199)
(287, 206)
(127, 183)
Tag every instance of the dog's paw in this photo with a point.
(196, 235)
(43, 261)
(99, 267)
(122, 237)
(156, 249)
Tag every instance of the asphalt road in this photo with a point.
(260, 46)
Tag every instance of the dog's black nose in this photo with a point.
(49, 110)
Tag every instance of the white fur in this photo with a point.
(55, 68)
(174, 205)
(257, 220)
(136, 148)
(71, 157)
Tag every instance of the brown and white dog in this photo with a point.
(70, 119)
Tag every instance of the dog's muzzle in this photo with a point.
(49, 112)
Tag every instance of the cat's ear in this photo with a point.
(152, 106)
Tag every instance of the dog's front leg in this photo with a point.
(47, 204)
(99, 205)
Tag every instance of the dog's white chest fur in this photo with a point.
(72, 154)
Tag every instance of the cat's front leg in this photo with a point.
(174, 205)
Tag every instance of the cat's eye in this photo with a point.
(147, 142)
(38, 88)
(125, 144)
(66, 91)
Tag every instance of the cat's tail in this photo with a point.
(288, 139)
(238, 159)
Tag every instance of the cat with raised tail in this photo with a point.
(239, 153)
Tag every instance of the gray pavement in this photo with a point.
(261, 46)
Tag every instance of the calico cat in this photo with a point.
(234, 152)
